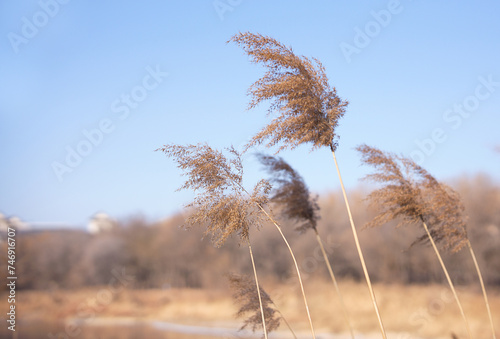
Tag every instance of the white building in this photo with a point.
(11, 222)
(3, 223)
(99, 223)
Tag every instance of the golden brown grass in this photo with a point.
(246, 296)
(290, 193)
(308, 109)
(295, 202)
(424, 311)
(223, 204)
(413, 196)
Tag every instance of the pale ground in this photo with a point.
(407, 311)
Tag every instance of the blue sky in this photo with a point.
(89, 91)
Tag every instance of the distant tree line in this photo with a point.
(164, 255)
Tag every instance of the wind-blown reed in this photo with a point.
(308, 109)
(413, 196)
(221, 203)
(246, 296)
(295, 202)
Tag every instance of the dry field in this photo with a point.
(407, 311)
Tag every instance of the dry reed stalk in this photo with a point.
(450, 283)
(449, 201)
(358, 247)
(222, 202)
(309, 108)
(297, 270)
(257, 287)
(411, 194)
(296, 203)
(485, 296)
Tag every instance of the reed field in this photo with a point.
(403, 256)
(306, 110)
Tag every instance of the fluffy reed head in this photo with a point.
(221, 203)
(245, 295)
(309, 109)
(291, 193)
(410, 194)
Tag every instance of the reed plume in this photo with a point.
(245, 294)
(308, 109)
(296, 203)
(450, 216)
(221, 203)
(290, 193)
(452, 209)
(413, 196)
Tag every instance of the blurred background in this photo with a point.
(88, 92)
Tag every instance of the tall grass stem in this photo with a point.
(358, 247)
(482, 287)
(258, 289)
(296, 268)
(448, 278)
(330, 270)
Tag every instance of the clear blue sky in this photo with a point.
(411, 70)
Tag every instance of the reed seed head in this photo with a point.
(412, 195)
(245, 295)
(221, 202)
(291, 193)
(308, 108)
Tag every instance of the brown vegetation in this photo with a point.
(163, 254)
(292, 197)
(422, 311)
(309, 110)
(249, 301)
(411, 194)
